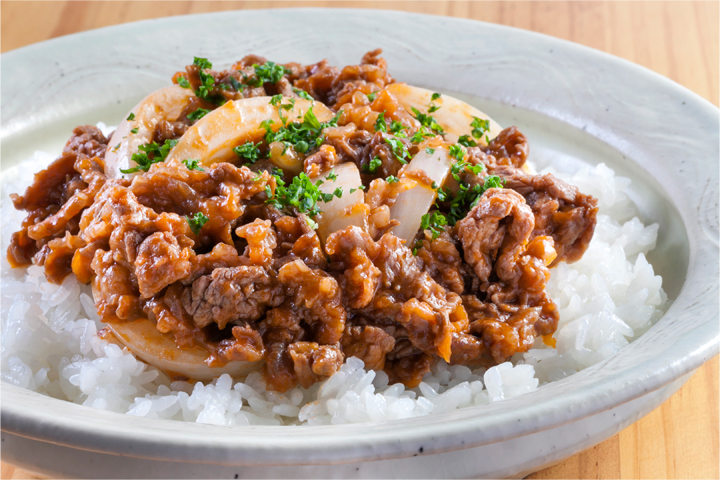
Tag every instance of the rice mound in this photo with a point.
(50, 343)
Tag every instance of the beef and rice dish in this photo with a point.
(298, 215)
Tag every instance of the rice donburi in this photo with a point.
(287, 217)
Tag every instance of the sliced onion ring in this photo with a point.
(164, 104)
(237, 122)
(455, 116)
(347, 210)
(412, 204)
(160, 350)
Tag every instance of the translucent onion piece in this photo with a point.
(347, 210)
(237, 122)
(286, 157)
(455, 116)
(164, 104)
(159, 349)
(411, 205)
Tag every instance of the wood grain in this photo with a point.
(679, 40)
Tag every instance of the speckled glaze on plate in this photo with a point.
(573, 103)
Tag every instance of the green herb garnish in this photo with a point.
(183, 82)
(192, 164)
(421, 135)
(380, 125)
(207, 82)
(432, 107)
(202, 63)
(248, 151)
(150, 153)
(300, 196)
(303, 94)
(459, 167)
(197, 114)
(479, 127)
(456, 151)
(396, 128)
(134, 130)
(197, 221)
(427, 121)
(372, 166)
(399, 149)
(131, 116)
(235, 84)
(435, 223)
(372, 96)
(467, 197)
(303, 136)
(467, 141)
(267, 73)
(391, 179)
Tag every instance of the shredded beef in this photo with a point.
(228, 294)
(313, 363)
(55, 201)
(560, 210)
(255, 282)
(368, 343)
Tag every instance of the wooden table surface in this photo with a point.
(676, 39)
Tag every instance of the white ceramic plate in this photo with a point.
(573, 102)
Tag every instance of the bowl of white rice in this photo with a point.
(638, 313)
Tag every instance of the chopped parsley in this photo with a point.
(235, 84)
(479, 127)
(467, 197)
(300, 196)
(193, 164)
(197, 221)
(396, 128)
(332, 175)
(134, 130)
(372, 166)
(353, 190)
(399, 150)
(303, 136)
(391, 179)
(429, 150)
(202, 63)
(432, 107)
(267, 73)
(456, 151)
(442, 194)
(249, 151)
(372, 96)
(150, 153)
(427, 121)
(207, 82)
(276, 101)
(435, 223)
(380, 125)
(457, 168)
(197, 114)
(131, 116)
(303, 94)
(421, 135)
(467, 141)
(183, 82)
